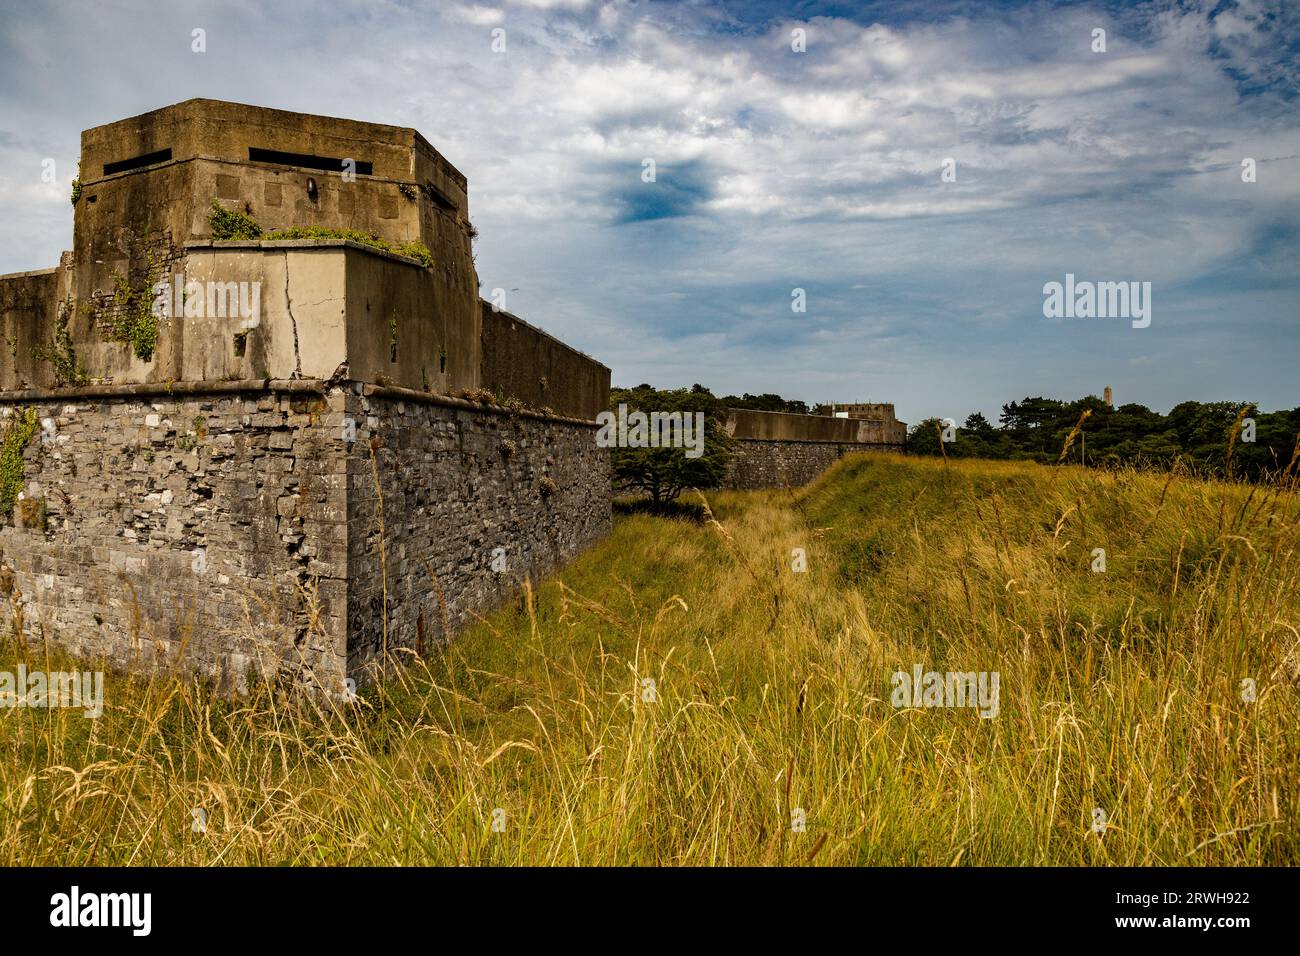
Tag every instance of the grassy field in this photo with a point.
(771, 698)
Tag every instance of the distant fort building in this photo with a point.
(780, 448)
(877, 423)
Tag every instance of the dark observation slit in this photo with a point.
(306, 161)
(148, 159)
(440, 198)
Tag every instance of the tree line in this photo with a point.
(1215, 439)
(1212, 439)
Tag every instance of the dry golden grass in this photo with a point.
(1119, 690)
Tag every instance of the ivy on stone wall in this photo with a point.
(21, 430)
(134, 321)
(60, 352)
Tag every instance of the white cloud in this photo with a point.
(476, 15)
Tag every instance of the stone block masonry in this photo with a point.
(756, 463)
(472, 502)
(775, 449)
(233, 528)
(156, 529)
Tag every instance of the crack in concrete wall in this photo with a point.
(288, 305)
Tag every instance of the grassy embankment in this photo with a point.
(1119, 690)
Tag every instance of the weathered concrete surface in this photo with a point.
(326, 306)
(29, 310)
(300, 330)
(320, 303)
(326, 302)
(136, 226)
(398, 334)
(786, 426)
(880, 424)
(523, 362)
(411, 192)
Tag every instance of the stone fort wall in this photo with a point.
(234, 527)
(473, 502)
(777, 449)
(758, 463)
(315, 485)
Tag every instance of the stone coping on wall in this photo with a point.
(819, 441)
(310, 386)
(29, 274)
(276, 244)
(415, 395)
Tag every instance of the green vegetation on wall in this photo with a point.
(21, 430)
(60, 352)
(226, 224)
(232, 224)
(134, 320)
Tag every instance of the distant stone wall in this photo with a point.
(756, 463)
(789, 426)
(774, 449)
(235, 526)
(457, 485)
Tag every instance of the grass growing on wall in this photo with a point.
(771, 693)
(412, 250)
(233, 224)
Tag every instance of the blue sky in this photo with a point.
(778, 170)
